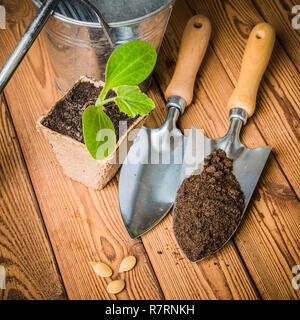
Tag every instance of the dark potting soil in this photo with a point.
(209, 207)
(66, 118)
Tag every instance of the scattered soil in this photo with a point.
(209, 207)
(66, 118)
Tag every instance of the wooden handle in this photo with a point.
(193, 46)
(256, 58)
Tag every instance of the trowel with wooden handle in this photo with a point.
(150, 174)
(247, 163)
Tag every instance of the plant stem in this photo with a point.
(102, 102)
(102, 96)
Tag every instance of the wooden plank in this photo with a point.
(279, 14)
(83, 225)
(279, 96)
(268, 239)
(22, 235)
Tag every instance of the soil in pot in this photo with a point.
(209, 207)
(66, 117)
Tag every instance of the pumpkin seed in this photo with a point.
(102, 269)
(127, 264)
(115, 286)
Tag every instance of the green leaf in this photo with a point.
(99, 133)
(132, 101)
(129, 64)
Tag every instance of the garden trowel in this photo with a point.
(247, 163)
(150, 174)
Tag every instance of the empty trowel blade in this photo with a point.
(149, 181)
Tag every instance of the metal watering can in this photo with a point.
(82, 34)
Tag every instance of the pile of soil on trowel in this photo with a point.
(209, 207)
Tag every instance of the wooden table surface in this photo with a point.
(52, 227)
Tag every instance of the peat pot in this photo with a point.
(78, 45)
(72, 154)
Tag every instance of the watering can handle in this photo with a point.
(26, 41)
(256, 58)
(192, 49)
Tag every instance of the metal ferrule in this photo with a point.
(177, 102)
(172, 117)
(238, 113)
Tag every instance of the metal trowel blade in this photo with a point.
(149, 180)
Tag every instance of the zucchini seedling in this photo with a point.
(129, 65)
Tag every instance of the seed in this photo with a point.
(102, 269)
(127, 264)
(115, 286)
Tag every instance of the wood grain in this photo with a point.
(22, 235)
(279, 96)
(268, 239)
(279, 14)
(83, 225)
